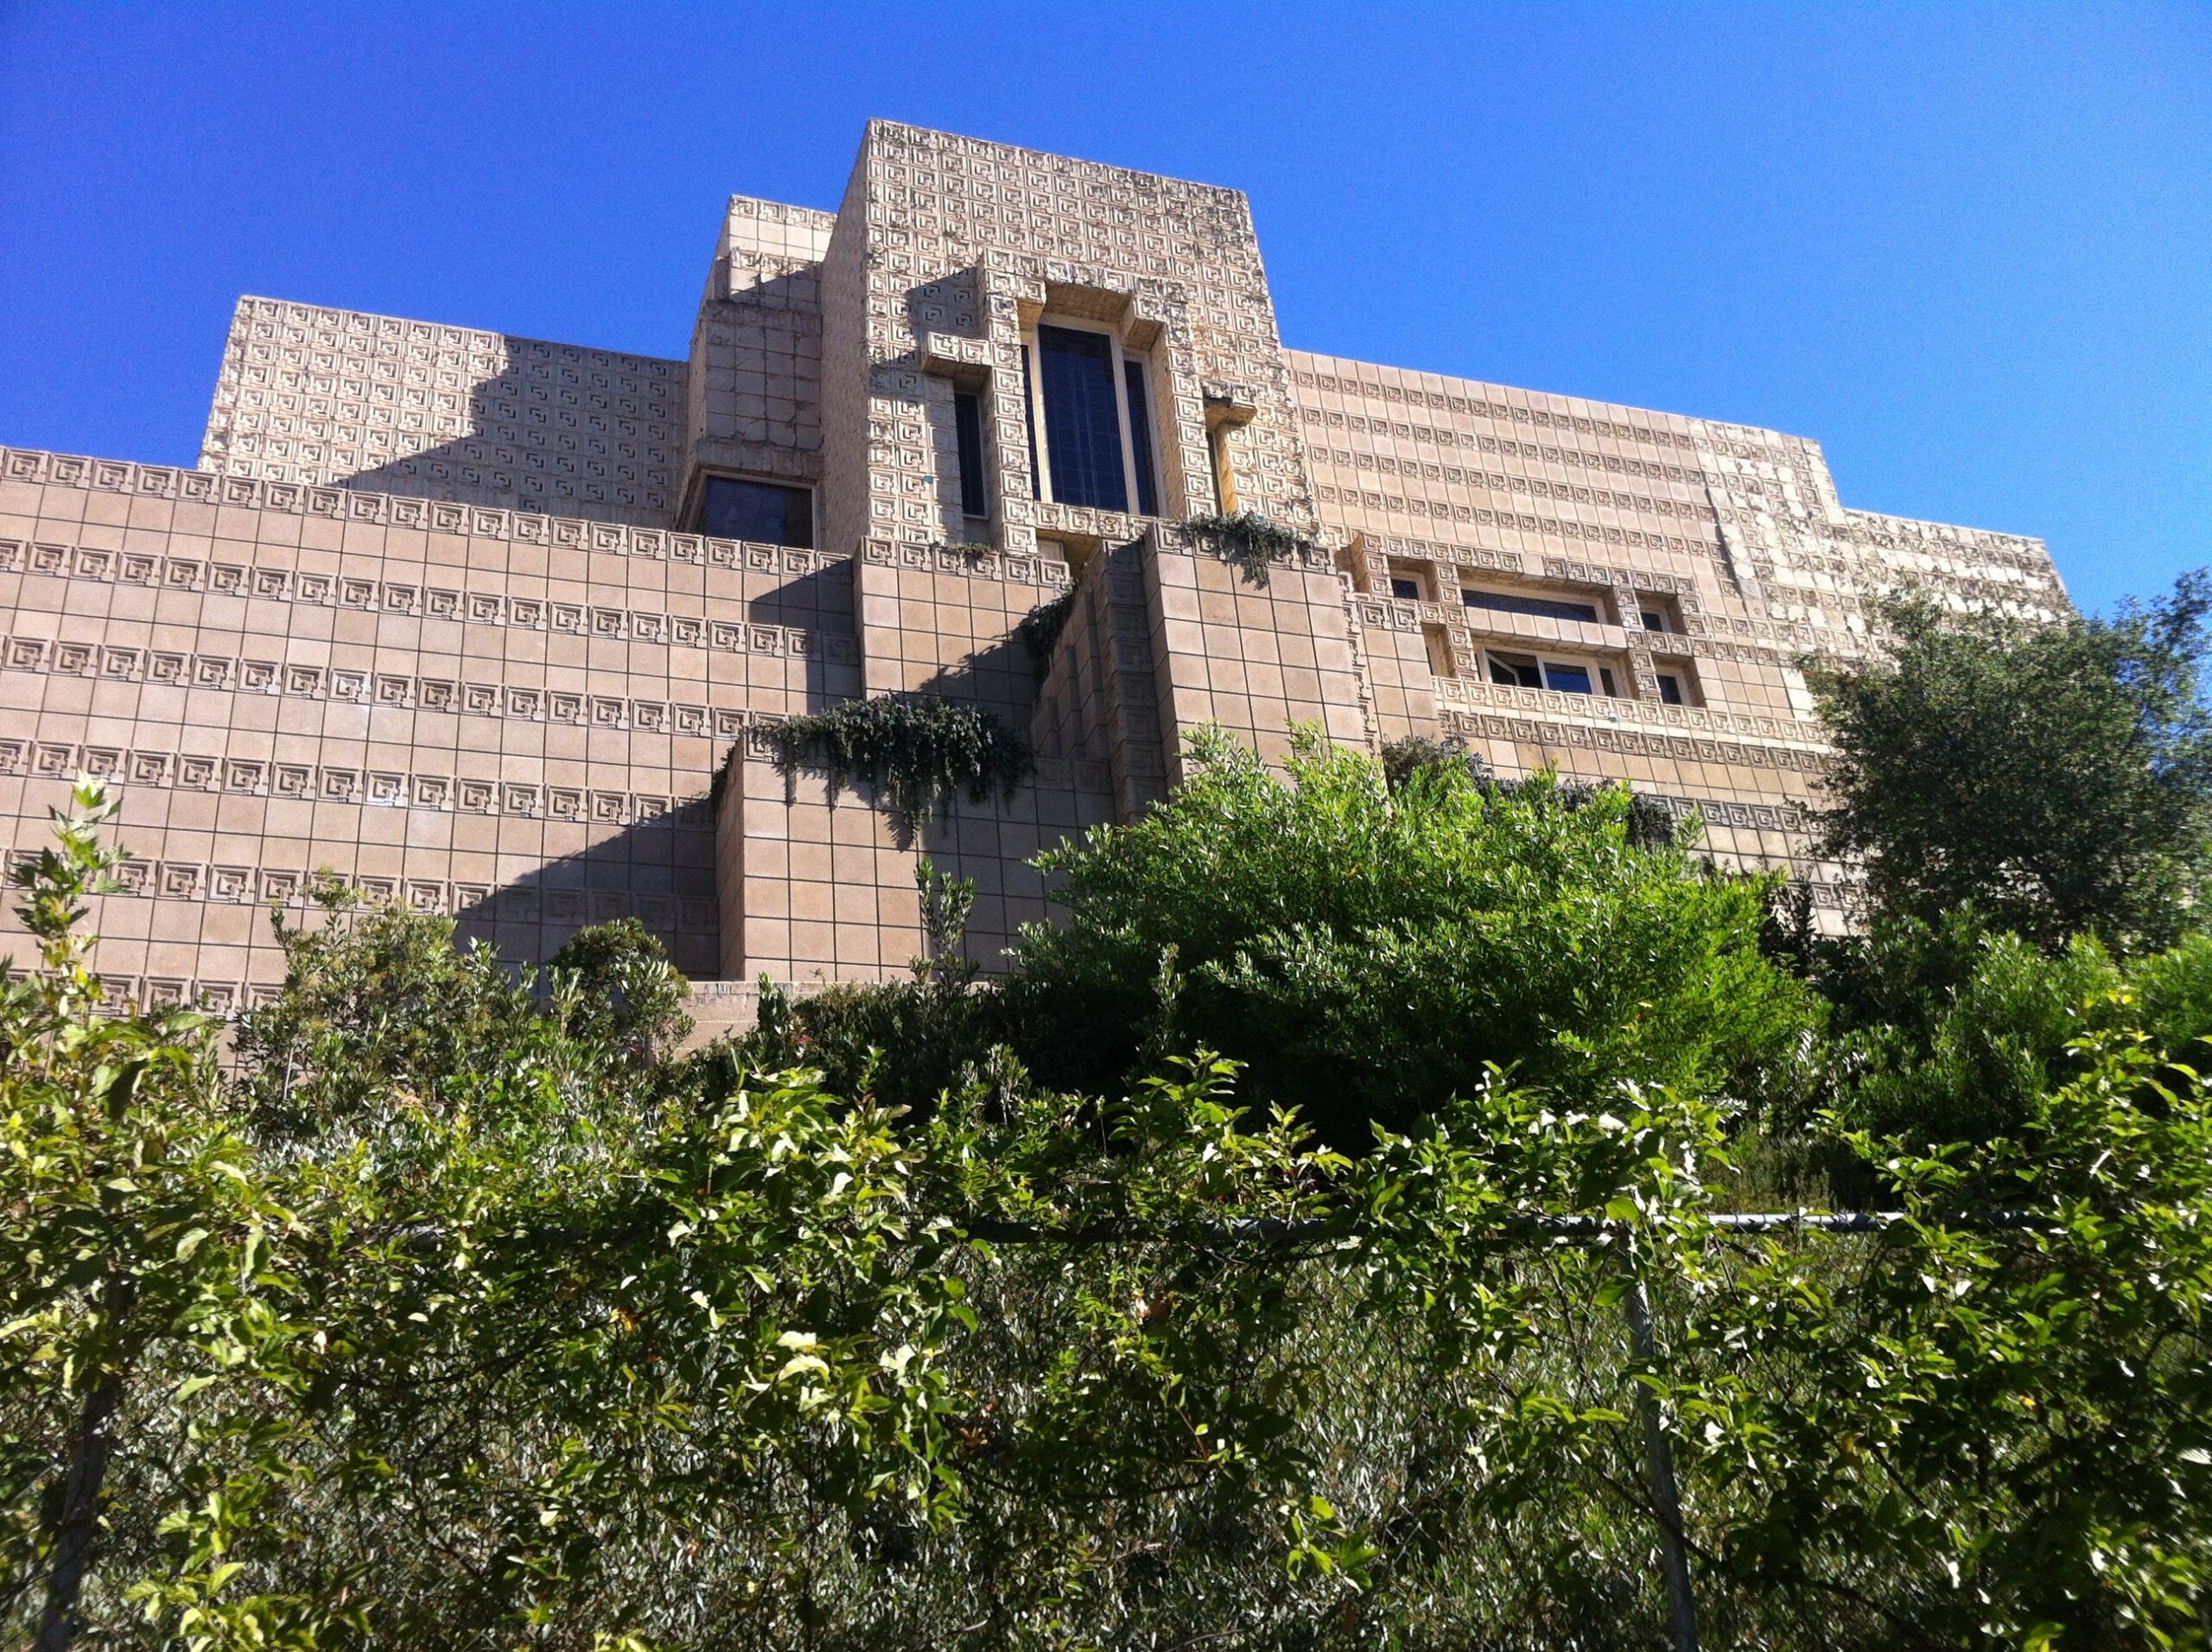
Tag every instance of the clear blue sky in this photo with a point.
(1968, 250)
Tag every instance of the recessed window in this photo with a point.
(1516, 672)
(1670, 689)
(759, 511)
(1141, 435)
(1542, 607)
(1091, 421)
(1560, 675)
(1654, 620)
(1440, 652)
(1405, 590)
(968, 428)
(1029, 416)
(1083, 418)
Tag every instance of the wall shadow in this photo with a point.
(546, 436)
(660, 871)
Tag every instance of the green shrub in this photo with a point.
(1368, 949)
(1952, 1032)
(514, 1332)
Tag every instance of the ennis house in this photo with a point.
(477, 622)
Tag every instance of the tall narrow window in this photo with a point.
(1083, 418)
(766, 515)
(1029, 418)
(968, 427)
(1141, 435)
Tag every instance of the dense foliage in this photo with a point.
(916, 751)
(2058, 776)
(1363, 949)
(447, 1309)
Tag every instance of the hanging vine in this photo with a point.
(1261, 542)
(1041, 628)
(916, 752)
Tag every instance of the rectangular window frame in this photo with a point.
(971, 455)
(697, 516)
(1140, 483)
(1604, 679)
(1690, 690)
(1533, 605)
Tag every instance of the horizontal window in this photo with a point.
(1543, 608)
(766, 515)
(1560, 675)
(1406, 590)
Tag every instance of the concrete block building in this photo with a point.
(498, 627)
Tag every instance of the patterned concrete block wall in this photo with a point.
(941, 621)
(338, 398)
(755, 376)
(427, 616)
(1733, 537)
(1258, 652)
(830, 880)
(514, 719)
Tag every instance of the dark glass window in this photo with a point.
(756, 511)
(1670, 689)
(1406, 590)
(1654, 620)
(968, 425)
(1605, 682)
(1083, 418)
(1514, 672)
(1567, 679)
(1141, 435)
(1543, 608)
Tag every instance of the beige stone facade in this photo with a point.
(443, 611)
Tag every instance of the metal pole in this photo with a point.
(1666, 1499)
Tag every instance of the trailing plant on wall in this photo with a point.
(1262, 543)
(1041, 628)
(916, 751)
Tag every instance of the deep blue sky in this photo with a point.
(1969, 250)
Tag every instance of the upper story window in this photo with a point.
(1560, 675)
(968, 431)
(1091, 421)
(1543, 608)
(759, 511)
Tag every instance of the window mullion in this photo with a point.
(1032, 386)
(1129, 430)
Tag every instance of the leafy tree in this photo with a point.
(464, 1318)
(2058, 776)
(1367, 949)
(627, 995)
(139, 1264)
